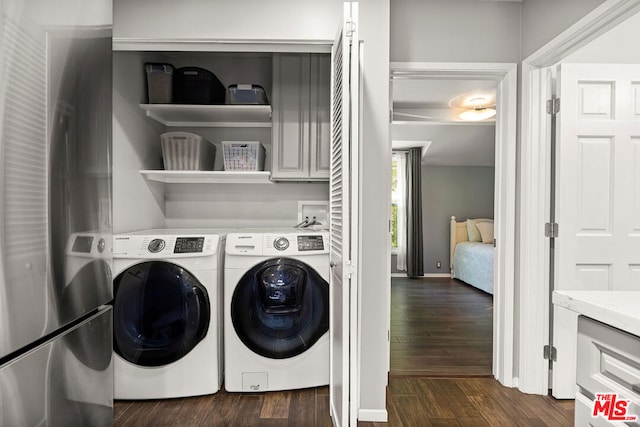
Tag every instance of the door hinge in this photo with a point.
(350, 269)
(551, 229)
(553, 105)
(550, 353)
(350, 28)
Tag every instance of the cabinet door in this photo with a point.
(290, 103)
(319, 126)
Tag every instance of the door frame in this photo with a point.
(505, 74)
(534, 187)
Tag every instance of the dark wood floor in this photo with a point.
(440, 327)
(438, 377)
(304, 408)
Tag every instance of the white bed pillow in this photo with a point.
(472, 229)
(486, 231)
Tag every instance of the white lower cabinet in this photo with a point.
(608, 375)
(301, 117)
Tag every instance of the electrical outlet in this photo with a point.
(438, 264)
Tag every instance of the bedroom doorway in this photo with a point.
(425, 125)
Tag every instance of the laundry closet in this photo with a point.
(240, 43)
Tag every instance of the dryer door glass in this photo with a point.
(280, 308)
(161, 312)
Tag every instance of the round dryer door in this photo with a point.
(280, 308)
(161, 312)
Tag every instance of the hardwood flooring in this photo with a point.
(440, 327)
(304, 408)
(440, 376)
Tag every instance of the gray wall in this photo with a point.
(463, 191)
(543, 20)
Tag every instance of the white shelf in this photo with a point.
(258, 116)
(207, 177)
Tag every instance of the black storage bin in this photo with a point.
(195, 85)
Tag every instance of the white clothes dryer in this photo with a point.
(276, 310)
(167, 313)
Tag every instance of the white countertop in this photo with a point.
(620, 309)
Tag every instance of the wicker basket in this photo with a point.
(243, 155)
(187, 151)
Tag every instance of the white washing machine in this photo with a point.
(167, 313)
(276, 328)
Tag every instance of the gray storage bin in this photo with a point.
(159, 83)
(246, 94)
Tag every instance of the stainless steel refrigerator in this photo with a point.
(55, 213)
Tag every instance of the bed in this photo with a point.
(471, 257)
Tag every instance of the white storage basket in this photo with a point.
(187, 151)
(243, 155)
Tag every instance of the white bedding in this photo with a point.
(473, 264)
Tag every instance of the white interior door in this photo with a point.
(597, 194)
(343, 212)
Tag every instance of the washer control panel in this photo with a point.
(277, 243)
(310, 243)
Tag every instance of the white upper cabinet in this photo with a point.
(300, 121)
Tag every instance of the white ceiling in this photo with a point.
(425, 113)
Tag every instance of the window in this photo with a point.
(394, 202)
(398, 207)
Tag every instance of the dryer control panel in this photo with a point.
(164, 246)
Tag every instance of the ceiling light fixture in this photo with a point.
(478, 112)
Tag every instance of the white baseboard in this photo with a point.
(373, 415)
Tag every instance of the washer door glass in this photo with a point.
(161, 312)
(280, 308)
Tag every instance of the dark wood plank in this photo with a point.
(302, 409)
(323, 411)
(276, 405)
(136, 412)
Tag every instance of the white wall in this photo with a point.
(613, 46)
(542, 20)
(375, 175)
(218, 19)
(239, 205)
(455, 31)
(137, 204)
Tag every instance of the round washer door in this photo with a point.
(280, 308)
(161, 312)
